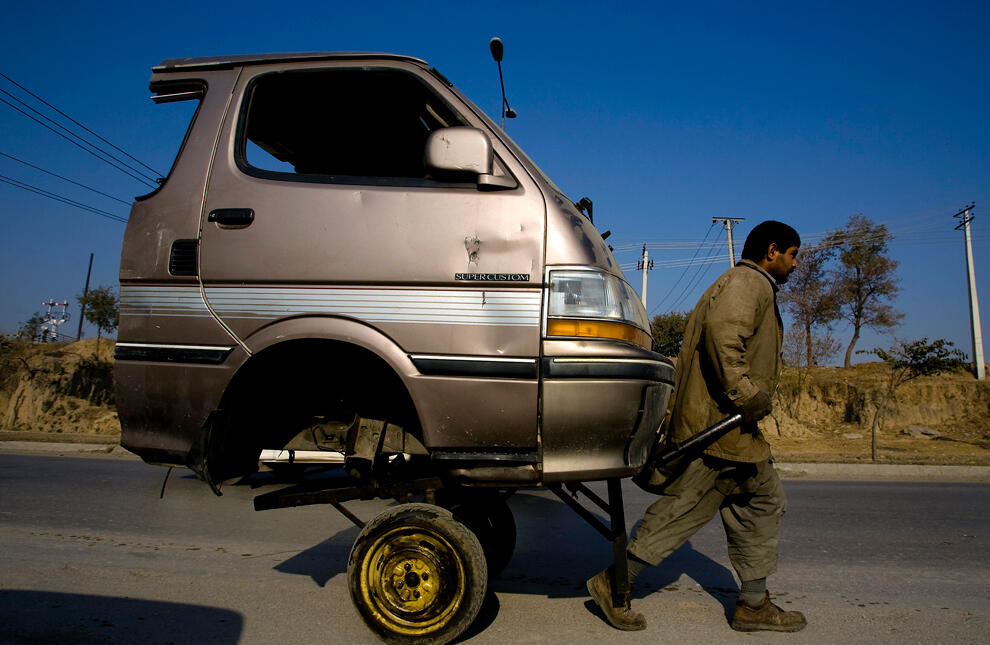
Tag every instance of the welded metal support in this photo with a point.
(620, 567)
(615, 533)
(344, 489)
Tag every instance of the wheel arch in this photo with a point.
(301, 366)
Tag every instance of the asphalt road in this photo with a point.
(90, 554)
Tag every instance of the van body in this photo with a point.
(348, 251)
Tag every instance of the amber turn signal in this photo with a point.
(598, 329)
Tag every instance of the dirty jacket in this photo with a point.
(731, 350)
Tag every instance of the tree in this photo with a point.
(811, 298)
(865, 279)
(794, 351)
(30, 329)
(101, 307)
(668, 332)
(908, 361)
(795, 348)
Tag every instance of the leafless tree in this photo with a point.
(810, 297)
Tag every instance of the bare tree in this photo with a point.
(811, 298)
(865, 279)
(794, 350)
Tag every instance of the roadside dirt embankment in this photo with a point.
(820, 414)
(61, 388)
(826, 414)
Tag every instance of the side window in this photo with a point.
(175, 122)
(338, 125)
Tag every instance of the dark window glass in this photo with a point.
(349, 123)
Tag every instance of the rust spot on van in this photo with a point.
(473, 246)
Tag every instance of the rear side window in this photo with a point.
(182, 100)
(339, 125)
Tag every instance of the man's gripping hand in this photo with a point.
(755, 407)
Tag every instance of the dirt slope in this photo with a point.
(826, 414)
(58, 388)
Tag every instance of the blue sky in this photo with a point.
(665, 115)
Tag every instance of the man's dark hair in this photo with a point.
(765, 234)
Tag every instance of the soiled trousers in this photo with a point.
(749, 497)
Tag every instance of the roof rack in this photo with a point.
(227, 62)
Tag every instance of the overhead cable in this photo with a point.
(98, 192)
(64, 200)
(140, 177)
(123, 152)
(699, 274)
(667, 295)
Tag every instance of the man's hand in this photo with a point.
(755, 407)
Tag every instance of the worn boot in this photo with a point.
(621, 617)
(766, 617)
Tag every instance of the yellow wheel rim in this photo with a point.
(412, 580)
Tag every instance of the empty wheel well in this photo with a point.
(289, 387)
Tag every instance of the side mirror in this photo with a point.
(464, 151)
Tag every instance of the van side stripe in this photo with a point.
(482, 366)
(160, 353)
(516, 307)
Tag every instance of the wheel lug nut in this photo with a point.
(416, 594)
(426, 576)
(399, 584)
(408, 566)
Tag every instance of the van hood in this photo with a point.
(573, 240)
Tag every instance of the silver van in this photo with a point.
(350, 256)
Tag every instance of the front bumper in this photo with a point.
(601, 415)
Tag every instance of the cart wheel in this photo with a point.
(417, 575)
(491, 520)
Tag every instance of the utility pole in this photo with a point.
(644, 265)
(727, 224)
(82, 308)
(974, 305)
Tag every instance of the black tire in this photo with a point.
(417, 575)
(491, 520)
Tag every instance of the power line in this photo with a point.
(898, 227)
(93, 149)
(698, 274)
(80, 124)
(662, 300)
(78, 145)
(98, 192)
(676, 263)
(64, 200)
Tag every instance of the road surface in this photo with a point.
(89, 553)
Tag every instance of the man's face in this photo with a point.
(781, 264)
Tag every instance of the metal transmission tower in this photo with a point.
(644, 265)
(965, 218)
(727, 224)
(55, 316)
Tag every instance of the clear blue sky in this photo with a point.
(664, 115)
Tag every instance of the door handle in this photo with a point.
(239, 217)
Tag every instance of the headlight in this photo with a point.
(589, 303)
